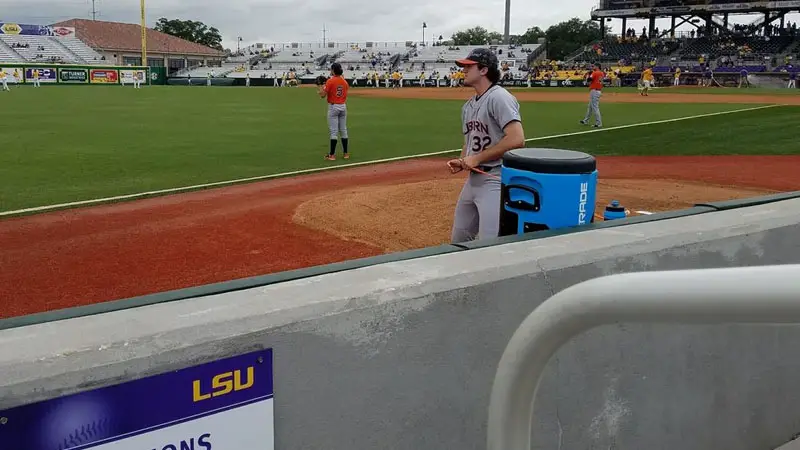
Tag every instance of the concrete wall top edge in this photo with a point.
(81, 343)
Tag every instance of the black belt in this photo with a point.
(487, 168)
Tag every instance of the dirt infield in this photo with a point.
(577, 95)
(417, 215)
(76, 257)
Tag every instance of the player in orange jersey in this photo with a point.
(335, 91)
(595, 92)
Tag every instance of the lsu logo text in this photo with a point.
(223, 384)
(582, 203)
(11, 28)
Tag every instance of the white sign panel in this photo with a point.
(126, 76)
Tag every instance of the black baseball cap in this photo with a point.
(482, 56)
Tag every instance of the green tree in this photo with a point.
(566, 37)
(495, 38)
(531, 36)
(191, 30)
(473, 36)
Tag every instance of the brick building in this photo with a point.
(121, 43)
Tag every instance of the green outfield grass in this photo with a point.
(766, 131)
(63, 144)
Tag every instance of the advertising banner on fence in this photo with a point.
(224, 404)
(13, 74)
(35, 30)
(126, 76)
(73, 76)
(103, 76)
(46, 74)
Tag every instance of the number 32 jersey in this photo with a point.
(483, 119)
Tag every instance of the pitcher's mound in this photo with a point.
(416, 215)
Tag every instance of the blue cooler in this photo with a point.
(546, 189)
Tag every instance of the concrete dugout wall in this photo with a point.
(402, 355)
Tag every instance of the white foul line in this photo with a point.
(341, 166)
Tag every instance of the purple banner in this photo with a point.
(46, 74)
(103, 415)
(34, 30)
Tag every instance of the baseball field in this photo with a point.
(112, 192)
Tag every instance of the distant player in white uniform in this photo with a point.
(4, 78)
(137, 79)
(492, 125)
(36, 81)
(247, 80)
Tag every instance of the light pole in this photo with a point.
(424, 25)
(144, 36)
(506, 37)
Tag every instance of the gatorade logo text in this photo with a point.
(582, 203)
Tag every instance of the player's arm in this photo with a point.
(464, 131)
(457, 165)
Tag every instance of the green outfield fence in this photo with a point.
(69, 74)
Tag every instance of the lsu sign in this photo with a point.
(224, 384)
(223, 404)
(10, 28)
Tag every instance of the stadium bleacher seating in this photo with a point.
(359, 60)
(614, 48)
(83, 51)
(43, 49)
(7, 54)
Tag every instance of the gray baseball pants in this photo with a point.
(594, 107)
(337, 120)
(477, 212)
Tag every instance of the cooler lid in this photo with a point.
(549, 160)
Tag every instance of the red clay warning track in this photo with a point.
(82, 256)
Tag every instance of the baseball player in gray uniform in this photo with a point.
(492, 125)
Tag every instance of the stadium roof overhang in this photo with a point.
(683, 10)
(151, 52)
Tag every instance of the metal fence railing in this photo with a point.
(745, 295)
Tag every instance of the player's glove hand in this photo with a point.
(321, 80)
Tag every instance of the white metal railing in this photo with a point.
(744, 295)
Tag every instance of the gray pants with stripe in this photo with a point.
(594, 107)
(337, 120)
(477, 212)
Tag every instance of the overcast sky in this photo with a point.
(274, 21)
